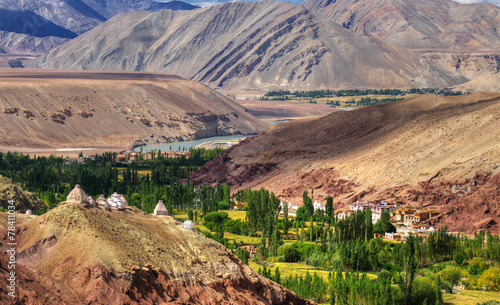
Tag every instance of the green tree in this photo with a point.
(451, 277)
(308, 204)
(423, 291)
(330, 212)
(409, 268)
(285, 218)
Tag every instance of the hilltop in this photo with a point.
(260, 46)
(44, 108)
(431, 151)
(76, 255)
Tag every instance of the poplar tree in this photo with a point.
(409, 268)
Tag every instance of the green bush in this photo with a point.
(477, 266)
(384, 275)
(423, 291)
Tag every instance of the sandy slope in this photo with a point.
(411, 151)
(46, 108)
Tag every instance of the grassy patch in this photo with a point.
(471, 297)
(297, 269)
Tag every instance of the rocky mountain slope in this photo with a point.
(260, 45)
(74, 255)
(431, 151)
(103, 109)
(23, 200)
(41, 25)
(463, 38)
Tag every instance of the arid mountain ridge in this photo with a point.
(74, 255)
(462, 38)
(43, 108)
(429, 151)
(39, 26)
(259, 46)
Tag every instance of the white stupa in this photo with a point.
(161, 209)
(124, 201)
(102, 203)
(77, 195)
(115, 202)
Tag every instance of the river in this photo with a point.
(185, 145)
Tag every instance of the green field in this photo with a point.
(471, 297)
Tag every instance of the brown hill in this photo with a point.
(462, 38)
(23, 200)
(259, 45)
(74, 255)
(489, 83)
(85, 108)
(432, 151)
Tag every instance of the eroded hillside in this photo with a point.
(440, 152)
(76, 255)
(89, 109)
(461, 38)
(259, 45)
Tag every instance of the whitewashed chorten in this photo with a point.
(103, 203)
(115, 202)
(161, 209)
(77, 195)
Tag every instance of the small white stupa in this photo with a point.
(29, 212)
(124, 201)
(161, 209)
(103, 203)
(115, 202)
(77, 195)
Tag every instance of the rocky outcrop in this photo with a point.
(67, 108)
(420, 25)
(429, 151)
(222, 46)
(134, 258)
(23, 200)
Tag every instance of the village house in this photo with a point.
(376, 209)
(318, 206)
(395, 236)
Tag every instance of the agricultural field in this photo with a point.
(471, 297)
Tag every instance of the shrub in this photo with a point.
(423, 291)
(477, 266)
(384, 275)
(451, 277)
(490, 279)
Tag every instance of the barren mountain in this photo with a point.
(484, 83)
(432, 151)
(73, 255)
(259, 45)
(463, 38)
(33, 27)
(86, 108)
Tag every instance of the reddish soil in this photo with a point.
(411, 152)
(73, 255)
